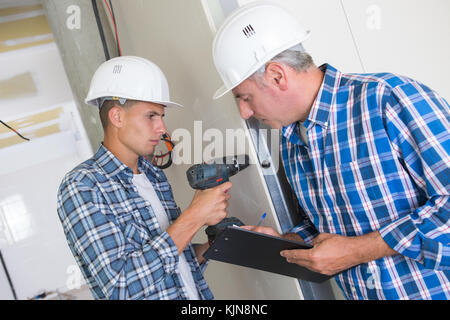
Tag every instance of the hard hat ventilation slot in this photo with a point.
(249, 31)
(117, 69)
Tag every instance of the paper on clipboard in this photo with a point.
(259, 251)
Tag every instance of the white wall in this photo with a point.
(39, 258)
(31, 238)
(409, 37)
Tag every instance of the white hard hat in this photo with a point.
(251, 36)
(129, 77)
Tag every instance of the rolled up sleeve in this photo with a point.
(423, 235)
(418, 125)
(305, 230)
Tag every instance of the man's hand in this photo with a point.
(210, 205)
(332, 253)
(207, 207)
(265, 230)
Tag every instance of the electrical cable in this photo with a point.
(115, 22)
(100, 29)
(15, 131)
(115, 26)
(13, 291)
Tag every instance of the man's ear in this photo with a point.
(276, 75)
(115, 116)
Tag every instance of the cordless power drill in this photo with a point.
(209, 175)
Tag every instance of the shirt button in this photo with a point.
(330, 218)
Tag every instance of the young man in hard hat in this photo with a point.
(121, 221)
(368, 156)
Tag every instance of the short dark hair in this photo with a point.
(108, 105)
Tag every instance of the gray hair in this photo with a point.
(295, 57)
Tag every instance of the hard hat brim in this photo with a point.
(221, 92)
(167, 104)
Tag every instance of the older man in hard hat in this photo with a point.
(122, 224)
(368, 156)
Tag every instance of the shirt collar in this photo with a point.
(109, 163)
(320, 109)
(112, 166)
(153, 173)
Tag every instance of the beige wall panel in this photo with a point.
(23, 126)
(39, 133)
(24, 33)
(19, 10)
(34, 119)
(18, 86)
(176, 35)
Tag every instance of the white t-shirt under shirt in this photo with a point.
(146, 191)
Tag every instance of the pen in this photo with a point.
(261, 220)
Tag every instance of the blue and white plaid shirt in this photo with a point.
(114, 235)
(377, 158)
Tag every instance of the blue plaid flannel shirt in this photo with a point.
(377, 158)
(115, 236)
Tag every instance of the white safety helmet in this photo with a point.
(251, 36)
(129, 77)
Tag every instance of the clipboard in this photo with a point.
(259, 251)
